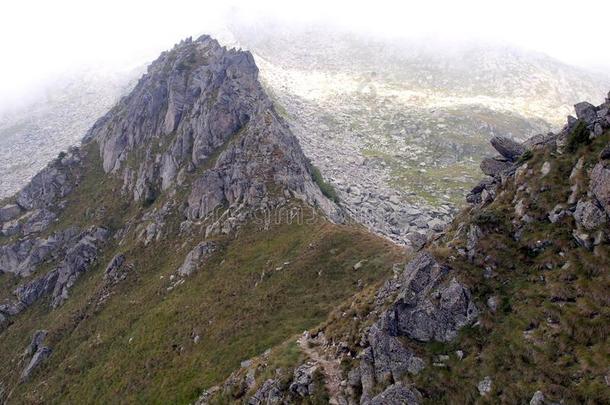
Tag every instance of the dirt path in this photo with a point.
(330, 368)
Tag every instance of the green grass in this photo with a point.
(327, 189)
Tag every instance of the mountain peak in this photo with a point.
(202, 104)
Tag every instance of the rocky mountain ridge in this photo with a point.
(525, 254)
(177, 254)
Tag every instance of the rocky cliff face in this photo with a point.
(199, 112)
(195, 102)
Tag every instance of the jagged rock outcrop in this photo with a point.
(195, 257)
(201, 103)
(77, 259)
(22, 257)
(270, 393)
(390, 359)
(595, 121)
(51, 183)
(303, 384)
(113, 270)
(426, 308)
(507, 147)
(37, 353)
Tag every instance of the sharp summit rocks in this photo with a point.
(203, 103)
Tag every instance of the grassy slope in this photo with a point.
(551, 330)
(137, 345)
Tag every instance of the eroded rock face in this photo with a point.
(429, 306)
(77, 260)
(203, 104)
(49, 185)
(495, 166)
(391, 359)
(22, 257)
(428, 309)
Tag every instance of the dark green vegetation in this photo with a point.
(327, 189)
(135, 341)
(579, 136)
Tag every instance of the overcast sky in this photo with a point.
(40, 38)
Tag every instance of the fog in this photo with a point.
(43, 40)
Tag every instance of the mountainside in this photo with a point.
(411, 118)
(185, 235)
(180, 252)
(509, 305)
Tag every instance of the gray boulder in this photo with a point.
(195, 257)
(588, 215)
(537, 398)
(485, 386)
(397, 394)
(586, 112)
(303, 383)
(391, 359)
(426, 309)
(508, 148)
(38, 358)
(494, 167)
(417, 240)
(36, 343)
